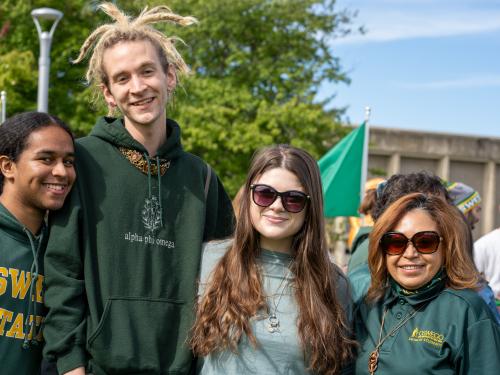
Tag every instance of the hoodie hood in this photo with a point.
(12, 226)
(112, 130)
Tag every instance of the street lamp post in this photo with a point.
(45, 37)
(3, 100)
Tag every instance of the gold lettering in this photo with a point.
(16, 329)
(5, 316)
(38, 321)
(4, 273)
(39, 288)
(20, 285)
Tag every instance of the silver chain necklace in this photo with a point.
(273, 323)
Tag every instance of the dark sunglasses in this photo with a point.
(395, 243)
(292, 201)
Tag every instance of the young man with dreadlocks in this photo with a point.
(124, 253)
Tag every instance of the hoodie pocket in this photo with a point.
(141, 335)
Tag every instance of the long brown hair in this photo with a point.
(458, 265)
(234, 293)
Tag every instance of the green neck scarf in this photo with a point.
(422, 294)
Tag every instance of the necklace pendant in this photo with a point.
(373, 362)
(273, 324)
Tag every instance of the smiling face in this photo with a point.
(276, 226)
(137, 83)
(412, 269)
(42, 176)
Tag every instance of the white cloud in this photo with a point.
(460, 83)
(390, 20)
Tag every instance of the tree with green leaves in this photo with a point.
(257, 66)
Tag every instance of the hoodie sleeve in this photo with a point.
(65, 325)
(219, 217)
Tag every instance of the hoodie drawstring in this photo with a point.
(158, 174)
(159, 188)
(32, 308)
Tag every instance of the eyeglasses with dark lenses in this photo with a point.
(293, 201)
(395, 243)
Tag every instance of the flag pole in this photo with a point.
(364, 164)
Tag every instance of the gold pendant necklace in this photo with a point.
(138, 161)
(373, 358)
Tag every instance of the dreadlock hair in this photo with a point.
(125, 29)
(234, 293)
(15, 131)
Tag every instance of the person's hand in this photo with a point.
(76, 371)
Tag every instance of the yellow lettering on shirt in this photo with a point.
(38, 321)
(4, 273)
(20, 284)
(16, 329)
(39, 288)
(428, 336)
(5, 316)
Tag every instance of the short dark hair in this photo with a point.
(15, 131)
(399, 185)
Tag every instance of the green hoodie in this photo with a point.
(21, 256)
(453, 332)
(124, 253)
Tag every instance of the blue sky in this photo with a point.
(431, 65)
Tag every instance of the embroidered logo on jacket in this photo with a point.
(152, 220)
(151, 214)
(428, 336)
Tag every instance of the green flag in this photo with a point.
(342, 174)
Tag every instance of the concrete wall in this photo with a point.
(469, 159)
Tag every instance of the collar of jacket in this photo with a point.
(415, 297)
(112, 130)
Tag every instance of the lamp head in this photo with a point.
(47, 14)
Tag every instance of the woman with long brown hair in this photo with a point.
(271, 302)
(421, 314)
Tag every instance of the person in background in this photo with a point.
(36, 175)
(271, 302)
(422, 314)
(487, 260)
(359, 247)
(467, 200)
(387, 192)
(124, 252)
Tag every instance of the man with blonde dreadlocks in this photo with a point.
(123, 255)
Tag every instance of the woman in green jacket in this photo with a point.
(421, 314)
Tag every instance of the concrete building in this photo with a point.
(473, 160)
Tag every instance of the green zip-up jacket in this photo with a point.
(359, 251)
(124, 253)
(21, 298)
(454, 332)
